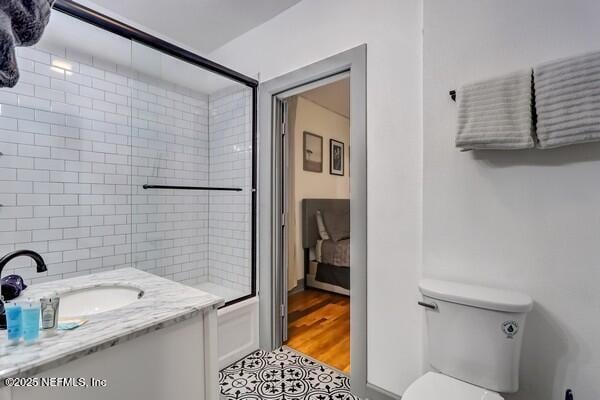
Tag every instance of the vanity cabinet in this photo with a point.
(179, 361)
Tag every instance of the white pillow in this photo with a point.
(321, 226)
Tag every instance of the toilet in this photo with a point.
(474, 338)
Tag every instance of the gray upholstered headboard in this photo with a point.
(310, 232)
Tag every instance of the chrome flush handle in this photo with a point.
(431, 306)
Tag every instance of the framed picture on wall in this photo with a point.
(336, 157)
(313, 152)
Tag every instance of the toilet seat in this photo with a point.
(435, 386)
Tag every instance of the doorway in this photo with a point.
(273, 293)
(316, 227)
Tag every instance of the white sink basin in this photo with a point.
(84, 302)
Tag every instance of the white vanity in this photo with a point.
(146, 338)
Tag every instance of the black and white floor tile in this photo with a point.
(282, 374)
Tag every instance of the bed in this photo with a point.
(326, 262)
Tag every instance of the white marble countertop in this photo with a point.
(164, 303)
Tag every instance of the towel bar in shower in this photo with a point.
(192, 188)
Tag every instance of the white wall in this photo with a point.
(527, 220)
(316, 119)
(311, 31)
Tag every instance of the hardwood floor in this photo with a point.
(319, 326)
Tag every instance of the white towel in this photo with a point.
(567, 96)
(497, 113)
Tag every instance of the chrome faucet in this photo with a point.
(40, 267)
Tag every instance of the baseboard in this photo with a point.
(377, 393)
(299, 287)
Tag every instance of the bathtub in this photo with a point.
(237, 324)
(237, 331)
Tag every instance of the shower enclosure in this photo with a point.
(122, 150)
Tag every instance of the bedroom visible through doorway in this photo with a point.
(317, 221)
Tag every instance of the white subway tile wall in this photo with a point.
(230, 147)
(169, 147)
(80, 136)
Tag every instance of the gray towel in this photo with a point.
(496, 114)
(22, 23)
(567, 97)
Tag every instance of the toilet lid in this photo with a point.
(434, 386)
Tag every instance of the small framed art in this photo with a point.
(313, 152)
(336, 157)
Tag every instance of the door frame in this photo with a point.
(271, 285)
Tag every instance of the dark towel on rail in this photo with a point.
(22, 23)
(567, 97)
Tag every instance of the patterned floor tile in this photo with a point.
(282, 374)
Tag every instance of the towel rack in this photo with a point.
(191, 188)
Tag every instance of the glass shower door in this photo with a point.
(116, 155)
(65, 144)
(191, 156)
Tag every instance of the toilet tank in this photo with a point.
(475, 333)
